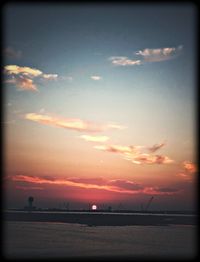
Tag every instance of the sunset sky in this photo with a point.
(99, 105)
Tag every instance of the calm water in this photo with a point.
(60, 240)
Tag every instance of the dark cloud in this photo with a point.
(125, 184)
(12, 53)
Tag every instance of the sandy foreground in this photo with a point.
(64, 240)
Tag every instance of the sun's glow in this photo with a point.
(94, 207)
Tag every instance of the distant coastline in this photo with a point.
(99, 218)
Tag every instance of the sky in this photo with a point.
(99, 105)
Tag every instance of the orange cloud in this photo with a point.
(75, 124)
(188, 170)
(28, 71)
(99, 139)
(23, 83)
(118, 185)
(133, 154)
(115, 148)
(189, 167)
(151, 159)
(23, 77)
(65, 182)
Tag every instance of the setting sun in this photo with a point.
(94, 207)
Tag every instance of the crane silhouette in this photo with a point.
(148, 203)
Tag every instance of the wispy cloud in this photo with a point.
(115, 148)
(156, 147)
(162, 191)
(117, 185)
(151, 159)
(96, 78)
(123, 61)
(90, 138)
(135, 153)
(126, 184)
(115, 126)
(147, 55)
(159, 54)
(68, 78)
(23, 77)
(71, 183)
(68, 123)
(50, 76)
(185, 176)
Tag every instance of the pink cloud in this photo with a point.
(23, 83)
(99, 139)
(189, 167)
(115, 148)
(134, 154)
(23, 77)
(151, 159)
(70, 182)
(118, 185)
(68, 123)
(185, 176)
(161, 191)
(188, 171)
(125, 184)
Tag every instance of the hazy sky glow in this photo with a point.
(100, 105)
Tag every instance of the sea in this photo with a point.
(29, 240)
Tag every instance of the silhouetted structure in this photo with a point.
(109, 209)
(30, 201)
(30, 206)
(148, 204)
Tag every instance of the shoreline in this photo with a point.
(101, 219)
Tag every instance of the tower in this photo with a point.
(30, 202)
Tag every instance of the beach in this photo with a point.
(98, 234)
(70, 240)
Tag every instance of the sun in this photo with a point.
(94, 207)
